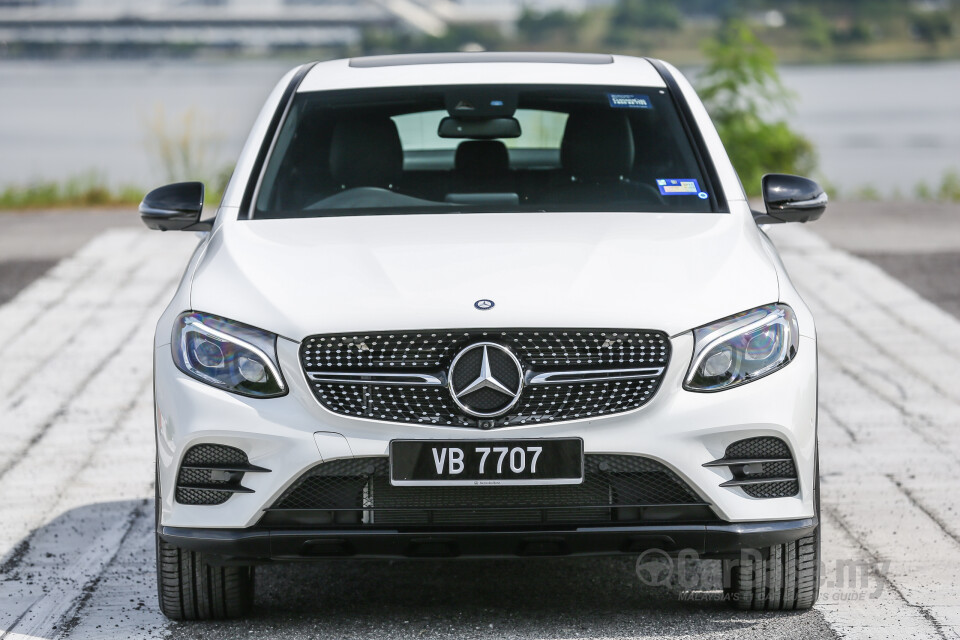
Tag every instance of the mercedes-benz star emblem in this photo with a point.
(483, 304)
(485, 380)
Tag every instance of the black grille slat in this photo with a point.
(362, 485)
(431, 352)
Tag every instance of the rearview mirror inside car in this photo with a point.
(790, 198)
(174, 207)
(479, 129)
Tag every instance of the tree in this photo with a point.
(541, 27)
(932, 27)
(742, 91)
(647, 14)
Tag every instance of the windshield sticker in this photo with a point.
(680, 187)
(629, 101)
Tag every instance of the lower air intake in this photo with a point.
(357, 492)
(211, 473)
(763, 467)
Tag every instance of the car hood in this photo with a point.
(297, 277)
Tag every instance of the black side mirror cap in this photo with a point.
(790, 198)
(174, 207)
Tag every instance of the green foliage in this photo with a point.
(815, 29)
(538, 27)
(932, 27)
(857, 32)
(647, 14)
(949, 190)
(188, 149)
(743, 93)
(867, 193)
(923, 192)
(88, 190)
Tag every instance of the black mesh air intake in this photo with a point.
(774, 465)
(357, 492)
(211, 473)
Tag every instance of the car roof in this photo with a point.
(481, 68)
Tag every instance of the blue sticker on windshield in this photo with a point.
(629, 101)
(680, 187)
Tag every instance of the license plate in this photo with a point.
(486, 462)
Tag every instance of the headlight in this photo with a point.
(742, 348)
(226, 354)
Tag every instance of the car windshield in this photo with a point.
(482, 148)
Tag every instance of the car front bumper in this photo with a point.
(290, 435)
(250, 546)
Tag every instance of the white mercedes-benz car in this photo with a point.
(484, 305)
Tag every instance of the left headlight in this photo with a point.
(226, 354)
(742, 348)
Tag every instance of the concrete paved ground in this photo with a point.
(918, 243)
(76, 545)
(33, 241)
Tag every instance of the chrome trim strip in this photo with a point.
(749, 481)
(377, 377)
(727, 462)
(593, 375)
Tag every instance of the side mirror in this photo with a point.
(174, 207)
(791, 199)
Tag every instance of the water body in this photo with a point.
(889, 126)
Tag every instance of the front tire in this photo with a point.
(783, 577)
(189, 588)
(192, 589)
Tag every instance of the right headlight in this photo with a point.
(742, 348)
(230, 355)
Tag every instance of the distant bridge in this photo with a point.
(238, 23)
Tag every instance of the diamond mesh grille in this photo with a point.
(435, 349)
(763, 447)
(214, 454)
(776, 470)
(432, 352)
(363, 485)
(427, 405)
(553, 402)
(766, 447)
(773, 490)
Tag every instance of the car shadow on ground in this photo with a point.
(524, 598)
(75, 556)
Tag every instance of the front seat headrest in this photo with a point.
(596, 145)
(482, 158)
(366, 152)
